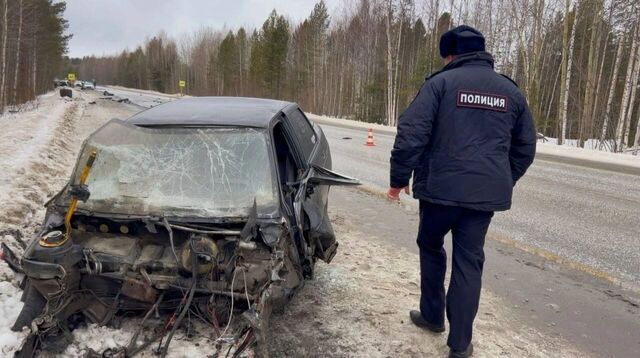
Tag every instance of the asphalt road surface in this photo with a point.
(586, 215)
(592, 315)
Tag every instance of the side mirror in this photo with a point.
(320, 176)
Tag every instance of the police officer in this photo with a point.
(467, 138)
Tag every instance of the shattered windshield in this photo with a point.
(188, 172)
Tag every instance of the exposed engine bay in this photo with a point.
(113, 267)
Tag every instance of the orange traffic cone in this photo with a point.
(369, 141)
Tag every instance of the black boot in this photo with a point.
(418, 320)
(461, 354)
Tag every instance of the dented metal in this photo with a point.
(175, 219)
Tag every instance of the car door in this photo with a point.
(311, 201)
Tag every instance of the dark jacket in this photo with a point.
(467, 137)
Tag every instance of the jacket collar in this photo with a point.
(480, 58)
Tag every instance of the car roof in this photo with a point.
(212, 111)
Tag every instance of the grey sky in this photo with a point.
(109, 26)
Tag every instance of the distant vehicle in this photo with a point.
(60, 83)
(79, 84)
(66, 92)
(181, 199)
(88, 85)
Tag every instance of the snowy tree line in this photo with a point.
(32, 45)
(577, 60)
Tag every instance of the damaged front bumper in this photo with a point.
(161, 267)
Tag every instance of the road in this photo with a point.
(578, 226)
(586, 215)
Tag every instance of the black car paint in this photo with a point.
(307, 221)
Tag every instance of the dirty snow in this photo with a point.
(32, 144)
(10, 306)
(365, 292)
(358, 306)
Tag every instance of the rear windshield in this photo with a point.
(174, 172)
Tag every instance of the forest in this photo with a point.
(33, 42)
(578, 61)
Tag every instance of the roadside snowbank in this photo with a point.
(626, 159)
(38, 148)
(31, 145)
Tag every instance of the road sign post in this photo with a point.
(182, 85)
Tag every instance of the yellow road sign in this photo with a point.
(182, 83)
(71, 77)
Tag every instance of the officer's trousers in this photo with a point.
(468, 228)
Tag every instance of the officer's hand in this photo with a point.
(393, 194)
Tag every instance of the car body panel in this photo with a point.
(212, 111)
(133, 259)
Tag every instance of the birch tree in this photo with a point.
(18, 48)
(586, 118)
(612, 90)
(567, 61)
(635, 58)
(628, 83)
(636, 141)
(3, 57)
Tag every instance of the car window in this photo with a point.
(182, 172)
(303, 131)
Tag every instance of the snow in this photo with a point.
(26, 133)
(568, 151)
(34, 144)
(10, 306)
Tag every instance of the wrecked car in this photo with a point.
(210, 205)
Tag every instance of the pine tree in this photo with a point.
(269, 55)
(228, 65)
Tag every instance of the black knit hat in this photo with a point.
(459, 40)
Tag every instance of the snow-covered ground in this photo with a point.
(357, 305)
(29, 141)
(10, 306)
